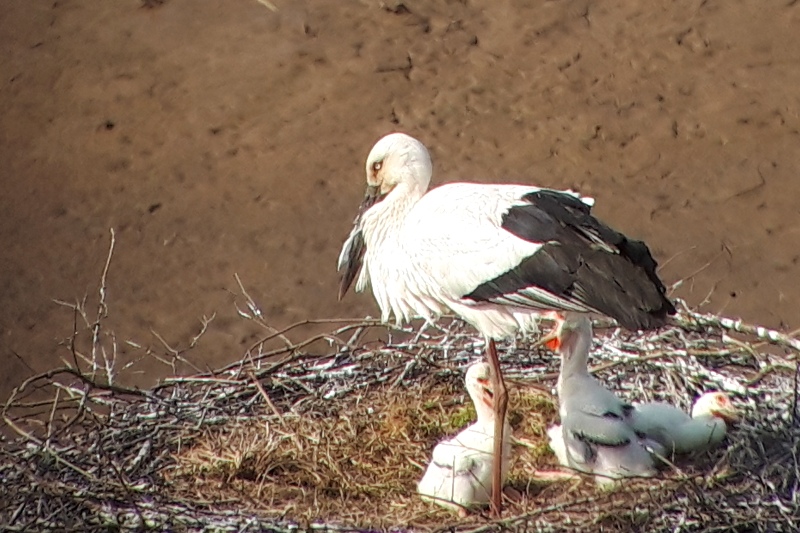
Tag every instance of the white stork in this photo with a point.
(680, 433)
(495, 255)
(595, 435)
(459, 476)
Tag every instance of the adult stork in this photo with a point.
(495, 255)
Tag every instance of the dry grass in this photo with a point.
(337, 434)
(337, 465)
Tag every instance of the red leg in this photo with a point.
(500, 406)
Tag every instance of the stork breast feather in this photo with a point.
(450, 456)
(444, 238)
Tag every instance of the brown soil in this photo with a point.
(223, 137)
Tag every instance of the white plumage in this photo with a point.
(495, 255)
(424, 252)
(595, 435)
(459, 476)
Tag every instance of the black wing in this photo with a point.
(350, 259)
(583, 264)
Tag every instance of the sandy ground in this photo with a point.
(224, 136)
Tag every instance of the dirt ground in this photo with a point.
(228, 136)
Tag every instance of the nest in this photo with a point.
(334, 435)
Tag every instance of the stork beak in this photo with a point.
(488, 393)
(371, 197)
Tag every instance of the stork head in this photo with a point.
(716, 404)
(479, 386)
(396, 160)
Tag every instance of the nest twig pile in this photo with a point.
(335, 436)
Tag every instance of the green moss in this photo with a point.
(536, 403)
(531, 412)
(430, 404)
(540, 451)
(462, 418)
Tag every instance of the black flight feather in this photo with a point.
(582, 261)
(353, 259)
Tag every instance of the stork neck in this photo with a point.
(484, 412)
(391, 212)
(575, 360)
(483, 402)
(575, 344)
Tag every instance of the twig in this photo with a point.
(353, 324)
(269, 5)
(794, 392)
(257, 315)
(266, 397)
(176, 354)
(767, 370)
(102, 312)
(193, 452)
(637, 359)
(770, 335)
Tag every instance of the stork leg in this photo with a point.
(500, 406)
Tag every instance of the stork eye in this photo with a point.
(377, 165)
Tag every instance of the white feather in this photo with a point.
(426, 250)
(460, 472)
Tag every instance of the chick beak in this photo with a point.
(731, 417)
(726, 411)
(488, 394)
